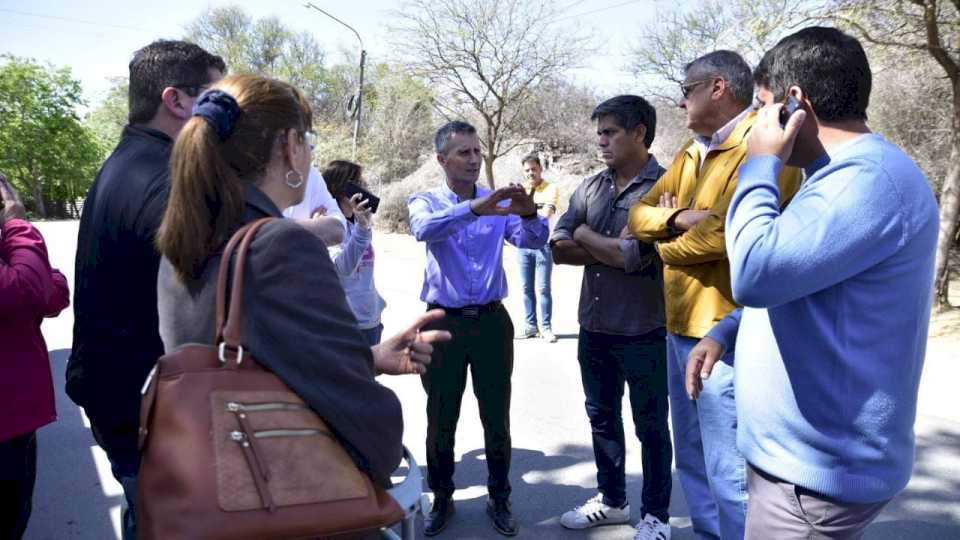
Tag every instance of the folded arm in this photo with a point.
(565, 249)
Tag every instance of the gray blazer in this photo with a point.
(298, 324)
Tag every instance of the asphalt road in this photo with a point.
(76, 498)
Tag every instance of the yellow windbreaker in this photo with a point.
(696, 272)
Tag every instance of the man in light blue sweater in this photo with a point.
(838, 289)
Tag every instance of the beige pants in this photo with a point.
(784, 511)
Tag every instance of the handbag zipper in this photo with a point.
(247, 438)
(235, 406)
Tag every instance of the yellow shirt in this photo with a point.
(546, 195)
(696, 272)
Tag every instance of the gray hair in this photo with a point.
(728, 66)
(446, 131)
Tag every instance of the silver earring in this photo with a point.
(293, 185)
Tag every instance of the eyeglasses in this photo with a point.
(311, 138)
(686, 88)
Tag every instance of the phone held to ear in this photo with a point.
(373, 202)
(790, 106)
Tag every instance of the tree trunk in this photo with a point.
(488, 169)
(949, 211)
(38, 197)
(491, 153)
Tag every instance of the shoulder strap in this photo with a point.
(228, 330)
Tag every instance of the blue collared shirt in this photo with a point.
(464, 250)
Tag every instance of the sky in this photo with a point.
(96, 38)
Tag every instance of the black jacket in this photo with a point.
(115, 333)
(298, 324)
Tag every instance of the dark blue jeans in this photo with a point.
(608, 361)
(536, 266)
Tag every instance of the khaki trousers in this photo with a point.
(784, 511)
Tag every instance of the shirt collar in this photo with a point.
(721, 134)
(479, 191)
(144, 131)
(650, 171)
(259, 205)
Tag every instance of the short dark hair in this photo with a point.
(166, 63)
(532, 156)
(630, 112)
(730, 67)
(338, 173)
(830, 67)
(447, 130)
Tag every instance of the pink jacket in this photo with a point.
(29, 291)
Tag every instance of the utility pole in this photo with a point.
(358, 106)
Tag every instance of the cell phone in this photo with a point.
(373, 202)
(790, 106)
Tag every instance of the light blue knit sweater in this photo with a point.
(831, 347)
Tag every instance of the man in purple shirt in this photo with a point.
(464, 226)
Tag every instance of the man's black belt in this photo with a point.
(468, 311)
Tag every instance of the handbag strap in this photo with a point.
(222, 276)
(228, 331)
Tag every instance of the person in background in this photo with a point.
(536, 265)
(464, 227)
(354, 257)
(29, 291)
(621, 338)
(115, 337)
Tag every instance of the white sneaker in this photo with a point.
(652, 528)
(593, 513)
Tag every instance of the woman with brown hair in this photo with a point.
(243, 157)
(354, 257)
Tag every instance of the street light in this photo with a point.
(363, 58)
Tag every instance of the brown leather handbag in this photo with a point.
(230, 452)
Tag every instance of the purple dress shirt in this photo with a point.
(464, 250)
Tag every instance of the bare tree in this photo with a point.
(485, 59)
(680, 35)
(931, 27)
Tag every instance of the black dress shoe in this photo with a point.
(499, 511)
(439, 516)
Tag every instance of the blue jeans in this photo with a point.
(607, 362)
(536, 265)
(711, 469)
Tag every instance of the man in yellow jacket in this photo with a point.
(683, 216)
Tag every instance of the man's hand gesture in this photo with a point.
(409, 351)
(521, 202)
